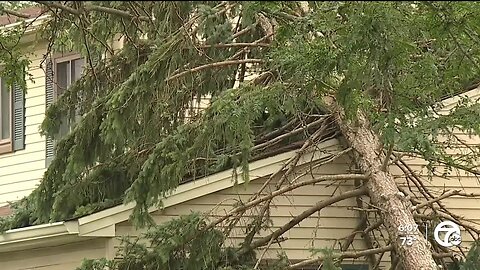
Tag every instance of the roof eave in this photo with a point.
(18, 239)
(91, 224)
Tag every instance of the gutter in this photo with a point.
(30, 236)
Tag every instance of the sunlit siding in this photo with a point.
(56, 257)
(21, 171)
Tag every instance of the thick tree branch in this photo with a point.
(14, 13)
(53, 4)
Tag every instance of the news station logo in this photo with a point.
(447, 234)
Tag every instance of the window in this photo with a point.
(61, 72)
(5, 118)
(66, 71)
(12, 118)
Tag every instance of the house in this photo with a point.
(63, 245)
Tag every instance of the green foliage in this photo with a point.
(132, 143)
(328, 262)
(472, 261)
(393, 61)
(14, 58)
(181, 243)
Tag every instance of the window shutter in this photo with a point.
(49, 97)
(18, 118)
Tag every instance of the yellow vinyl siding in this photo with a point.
(335, 222)
(22, 170)
(58, 257)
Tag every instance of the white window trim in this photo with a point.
(6, 145)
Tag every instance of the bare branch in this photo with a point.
(285, 190)
(320, 205)
(430, 202)
(229, 45)
(288, 134)
(240, 52)
(243, 31)
(342, 255)
(214, 65)
(387, 158)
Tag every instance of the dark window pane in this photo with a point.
(62, 76)
(4, 111)
(67, 73)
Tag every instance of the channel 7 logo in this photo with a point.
(447, 234)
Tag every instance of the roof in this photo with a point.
(32, 12)
(450, 103)
(103, 223)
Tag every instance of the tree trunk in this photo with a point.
(383, 191)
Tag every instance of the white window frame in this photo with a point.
(58, 59)
(6, 145)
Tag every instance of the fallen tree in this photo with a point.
(279, 76)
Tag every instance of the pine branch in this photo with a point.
(89, 8)
(214, 65)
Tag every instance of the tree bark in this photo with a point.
(383, 190)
